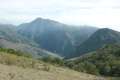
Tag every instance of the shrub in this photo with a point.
(15, 52)
(8, 59)
(53, 60)
(46, 67)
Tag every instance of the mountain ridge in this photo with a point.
(61, 39)
(100, 38)
(54, 36)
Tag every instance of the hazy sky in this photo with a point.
(102, 13)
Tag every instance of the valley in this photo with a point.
(72, 52)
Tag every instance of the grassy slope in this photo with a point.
(14, 67)
(18, 73)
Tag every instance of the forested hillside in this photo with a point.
(105, 61)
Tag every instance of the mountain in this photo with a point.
(104, 61)
(8, 32)
(54, 36)
(50, 35)
(9, 38)
(97, 40)
(79, 34)
(60, 39)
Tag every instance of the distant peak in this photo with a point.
(37, 19)
(106, 30)
(46, 21)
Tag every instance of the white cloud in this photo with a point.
(103, 13)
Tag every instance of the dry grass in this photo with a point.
(19, 73)
(14, 67)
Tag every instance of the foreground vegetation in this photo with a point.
(21, 67)
(17, 58)
(105, 61)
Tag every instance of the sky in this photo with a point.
(100, 13)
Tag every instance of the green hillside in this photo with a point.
(98, 39)
(105, 61)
